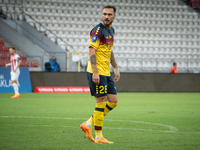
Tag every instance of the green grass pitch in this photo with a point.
(152, 121)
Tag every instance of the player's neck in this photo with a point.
(108, 27)
(13, 54)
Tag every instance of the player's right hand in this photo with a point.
(95, 78)
(6, 65)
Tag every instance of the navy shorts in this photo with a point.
(106, 85)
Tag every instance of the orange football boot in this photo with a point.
(102, 140)
(88, 131)
(16, 96)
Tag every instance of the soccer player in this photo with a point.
(102, 86)
(15, 62)
(174, 68)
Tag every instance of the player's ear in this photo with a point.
(114, 15)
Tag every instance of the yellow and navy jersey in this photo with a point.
(102, 39)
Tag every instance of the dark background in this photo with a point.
(129, 82)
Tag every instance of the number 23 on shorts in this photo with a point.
(101, 89)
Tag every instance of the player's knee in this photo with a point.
(115, 101)
(100, 99)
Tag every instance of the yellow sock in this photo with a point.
(98, 118)
(90, 121)
(109, 107)
(98, 134)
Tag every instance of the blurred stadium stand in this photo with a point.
(150, 34)
(5, 57)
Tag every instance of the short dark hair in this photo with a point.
(13, 48)
(174, 63)
(111, 6)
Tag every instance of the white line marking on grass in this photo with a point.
(171, 128)
(135, 129)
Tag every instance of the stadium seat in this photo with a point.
(5, 48)
(194, 65)
(193, 3)
(156, 28)
(2, 63)
(24, 64)
(1, 42)
(34, 64)
(2, 58)
(198, 3)
(23, 57)
(5, 52)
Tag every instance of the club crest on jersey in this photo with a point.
(94, 38)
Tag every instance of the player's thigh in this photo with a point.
(14, 77)
(100, 89)
(112, 92)
(111, 86)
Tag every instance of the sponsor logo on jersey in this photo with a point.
(94, 38)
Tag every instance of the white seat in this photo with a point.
(143, 29)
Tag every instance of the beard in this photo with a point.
(107, 22)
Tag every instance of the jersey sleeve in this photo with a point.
(95, 37)
(17, 57)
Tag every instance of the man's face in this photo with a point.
(54, 59)
(11, 51)
(108, 15)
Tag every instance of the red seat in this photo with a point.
(23, 57)
(34, 64)
(2, 58)
(7, 58)
(198, 3)
(1, 41)
(1, 46)
(25, 64)
(2, 63)
(6, 48)
(193, 2)
(5, 52)
(22, 64)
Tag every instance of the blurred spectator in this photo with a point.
(52, 65)
(2, 15)
(174, 68)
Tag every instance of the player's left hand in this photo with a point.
(116, 78)
(14, 70)
(117, 75)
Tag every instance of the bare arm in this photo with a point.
(116, 70)
(92, 57)
(9, 64)
(113, 63)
